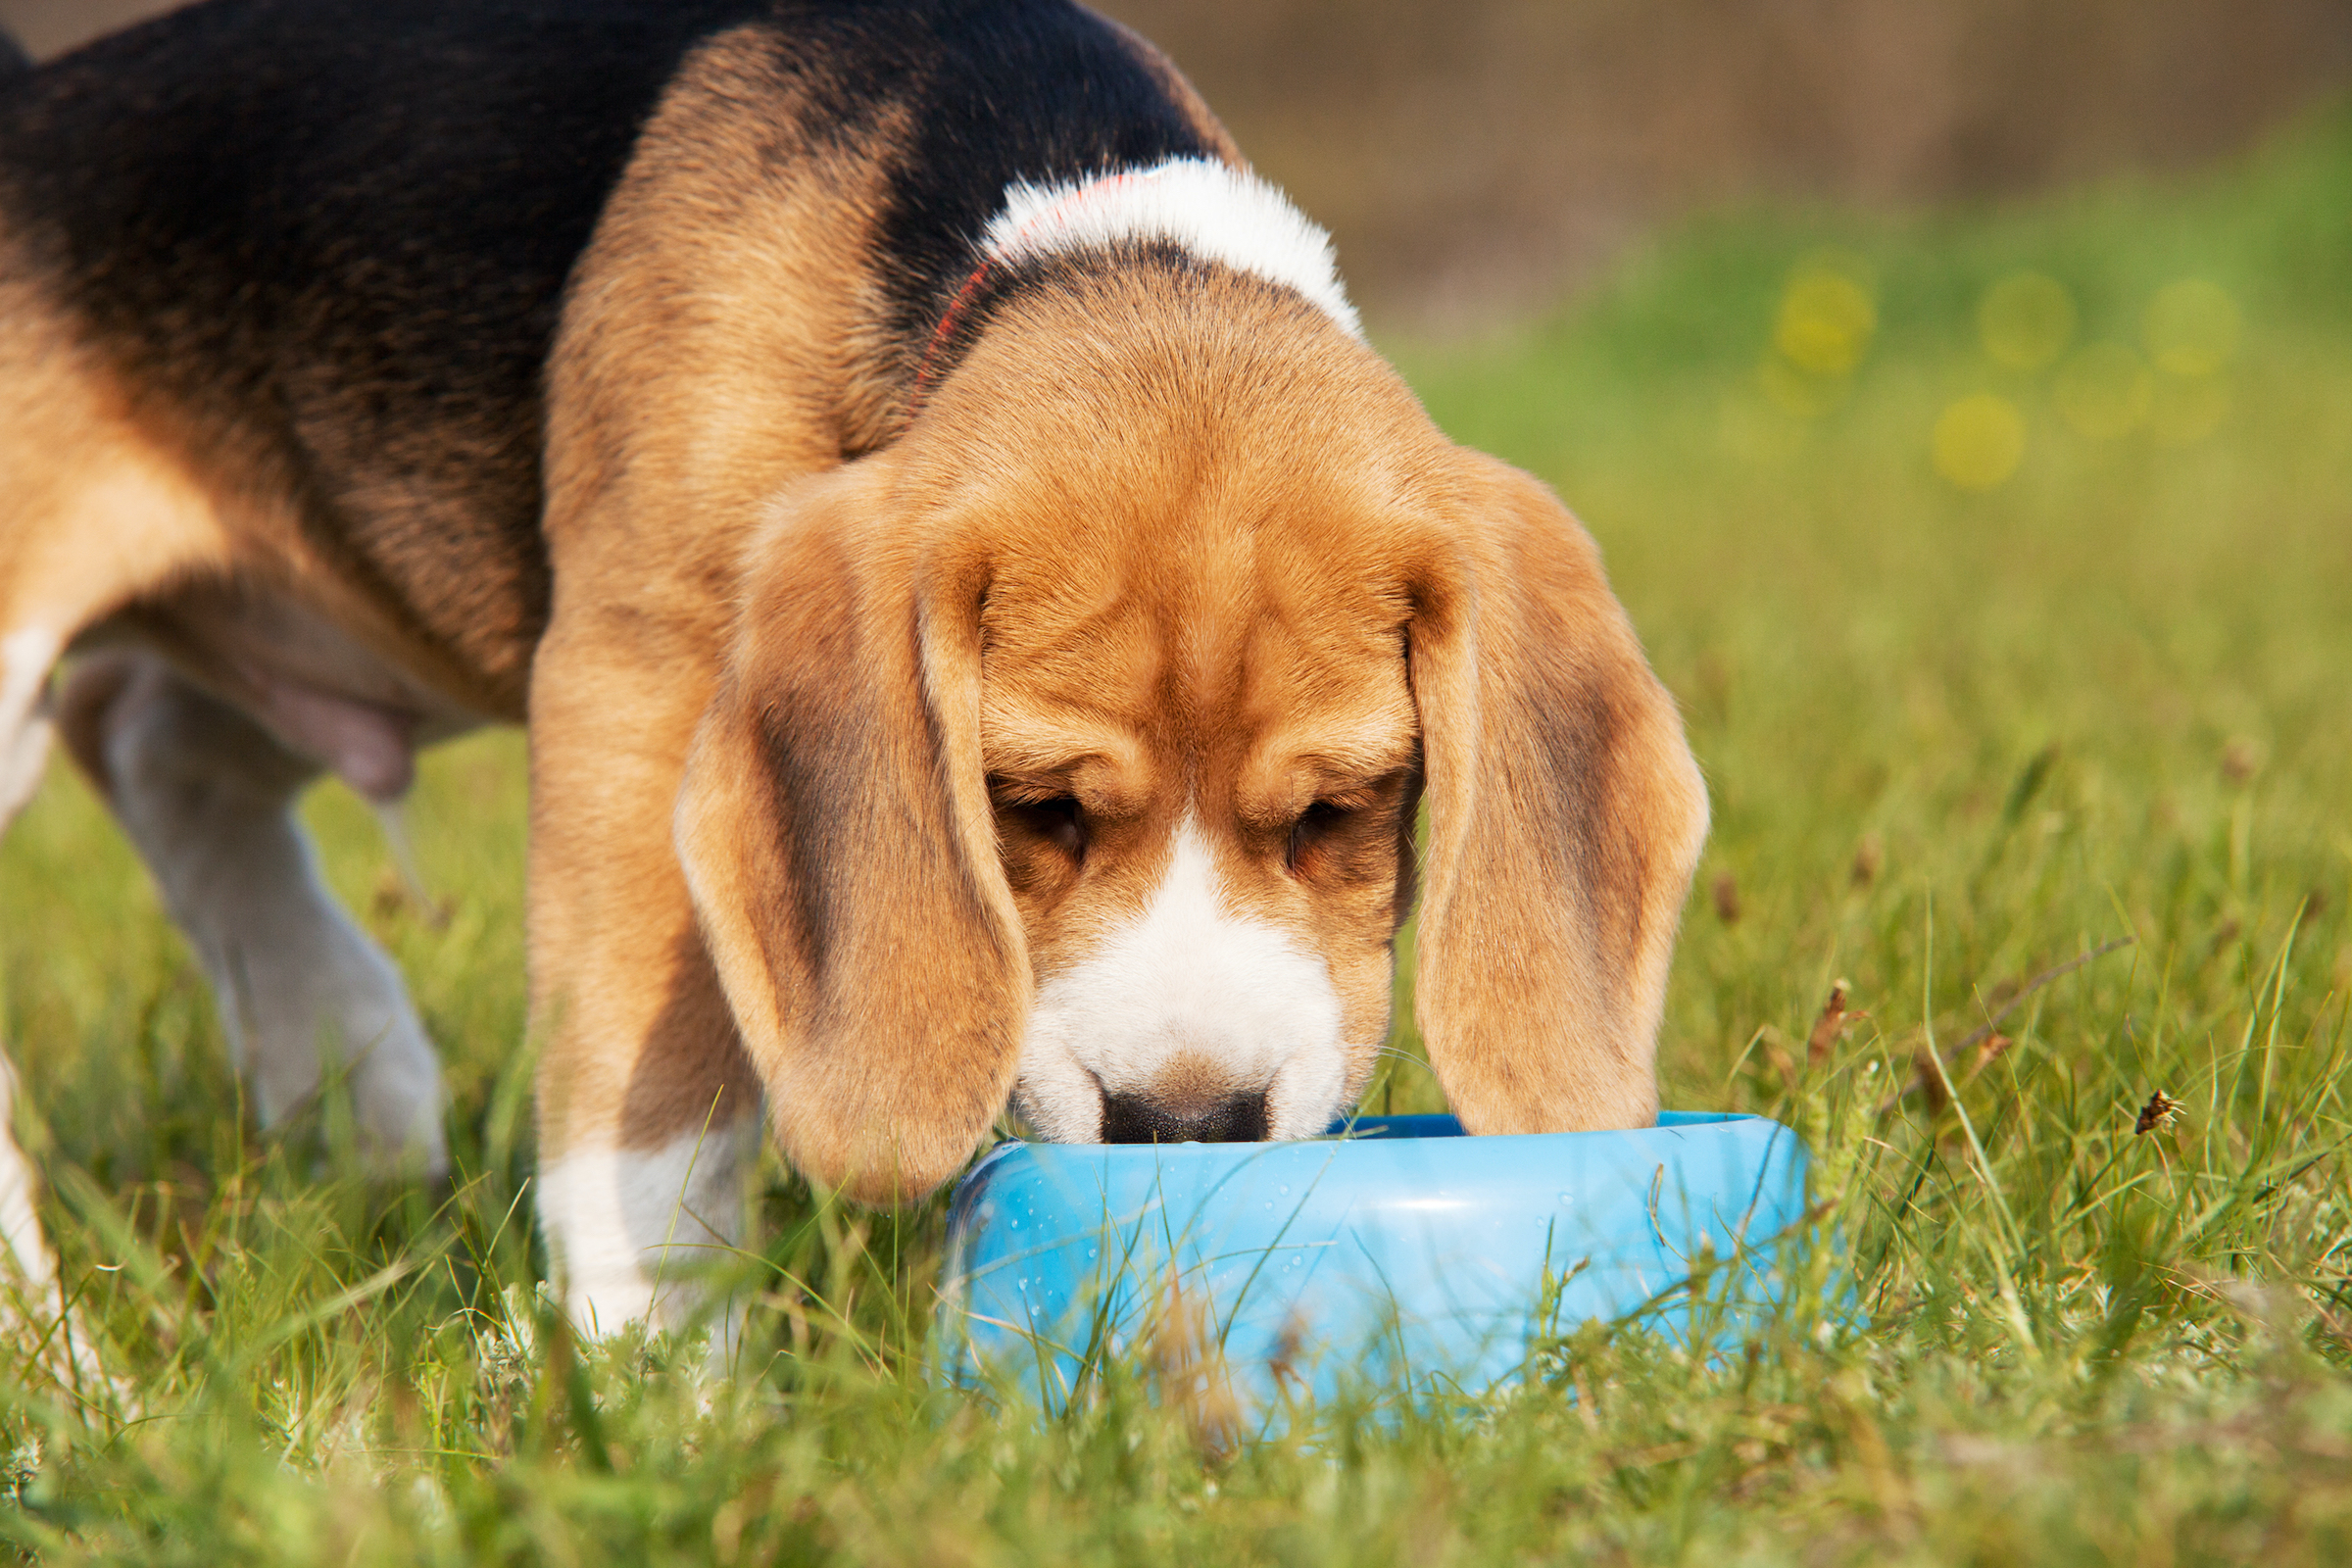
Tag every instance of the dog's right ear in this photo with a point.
(835, 830)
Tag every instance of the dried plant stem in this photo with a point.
(2054, 972)
(1939, 1083)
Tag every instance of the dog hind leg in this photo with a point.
(25, 730)
(92, 514)
(208, 795)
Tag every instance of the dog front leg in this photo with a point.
(648, 1114)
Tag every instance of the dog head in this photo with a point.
(1072, 748)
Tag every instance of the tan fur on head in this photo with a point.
(1128, 663)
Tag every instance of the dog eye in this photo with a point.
(1060, 820)
(1315, 823)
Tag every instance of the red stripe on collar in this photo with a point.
(927, 372)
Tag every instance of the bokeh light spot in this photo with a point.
(1825, 322)
(1979, 441)
(2025, 320)
(2104, 390)
(2191, 327)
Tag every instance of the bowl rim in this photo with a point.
(1429, 1140)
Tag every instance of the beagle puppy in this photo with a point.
(988, 626)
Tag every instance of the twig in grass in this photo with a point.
(1283, 1363)
(2054, 972)
(1933, 1083)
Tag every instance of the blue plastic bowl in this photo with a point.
(1404, 1252)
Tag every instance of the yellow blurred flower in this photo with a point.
(2104, 390)
(2191, 327)
(1979, 441)
(2025, 320)
(1825, 322)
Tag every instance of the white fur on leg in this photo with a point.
(290, 970)
(20, 1226)
(26, 657)
(294, 976)
(31, 1298)
(628, 1228)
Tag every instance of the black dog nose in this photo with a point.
(1234, 1119)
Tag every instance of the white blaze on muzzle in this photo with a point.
(1187, 984)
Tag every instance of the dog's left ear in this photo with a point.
(1565, 818)
(835, 830)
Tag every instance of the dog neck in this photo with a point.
(1206, 209)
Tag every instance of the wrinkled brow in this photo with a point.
(1017, 740)
(1359, 743)
(1307, 760)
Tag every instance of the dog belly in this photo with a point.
(316, 687)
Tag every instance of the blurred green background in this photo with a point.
(1474, 159)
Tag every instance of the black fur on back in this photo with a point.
(13, 61)
(334, 235)
(346, 226)
(1012, 91)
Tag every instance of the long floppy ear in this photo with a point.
(835, 831)
(1565, 818)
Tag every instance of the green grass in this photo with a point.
(1954, 739)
